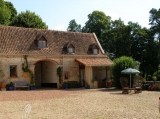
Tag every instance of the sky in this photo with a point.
(58, 13)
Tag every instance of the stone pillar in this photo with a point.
(108, 73)
(88, 74)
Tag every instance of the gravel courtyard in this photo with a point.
(79, 104)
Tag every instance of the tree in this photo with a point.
(29, 20)
(5, 14)
(97, 23)
(12, 10)
(74, 27)
(117, 39)
(154, 21)
(119, 65)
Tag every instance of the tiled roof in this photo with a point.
(95, 62)
(19, 40)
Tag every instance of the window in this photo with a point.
(95, 51)
(13, 71)
(70, 50)
(41, 41)
(42, 44)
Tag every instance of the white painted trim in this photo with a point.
(98, 43)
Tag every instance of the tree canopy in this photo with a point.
(29, 20)
(119, 39)
(12, 9)
(5, 13)
(154, 21)
(74, 27)
(98, 23)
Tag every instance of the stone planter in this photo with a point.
(3, 89)
(3, 85)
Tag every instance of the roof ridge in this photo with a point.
(46, 30)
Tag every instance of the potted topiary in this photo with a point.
(65, 85)
(10, 86)
(32, 86)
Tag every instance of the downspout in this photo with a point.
(98, 43)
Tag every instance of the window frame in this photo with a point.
(16, 75)
(43, 44)
(95, 49)
(70, 49)
(70, 46)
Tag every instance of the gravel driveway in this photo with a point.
(78, 104)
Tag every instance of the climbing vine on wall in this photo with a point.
(59, 73)
(25, 68)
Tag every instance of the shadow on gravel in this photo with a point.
(113, 89)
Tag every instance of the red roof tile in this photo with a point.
(19, 40)
(95, 62)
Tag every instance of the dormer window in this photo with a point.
(41, 41)
(95, 51)
(42, 44)
(69, 48)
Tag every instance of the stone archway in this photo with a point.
(46, 73)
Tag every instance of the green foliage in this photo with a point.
(97, 23)
(119, 65)
(12, 10)
(118, 39)
(5, 14)
(25, 68)
(60, 73)
(149, 78)
(10, 84)
(1, 73)
(65, 83)
(29, 20)
(154, 21)
(74, 27)
(156, 74)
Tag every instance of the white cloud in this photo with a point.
(113, 15)
(61, 27)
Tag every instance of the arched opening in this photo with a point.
(45, 73)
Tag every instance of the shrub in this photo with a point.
(120, 64)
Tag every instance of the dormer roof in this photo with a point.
(40, 37)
